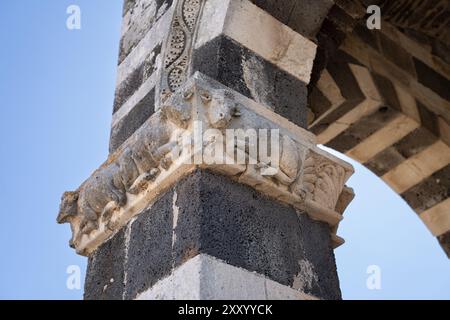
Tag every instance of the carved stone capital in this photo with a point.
(185, 134)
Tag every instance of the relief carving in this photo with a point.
(191, 8)
(179, 46)
(323, 180)
(299, 175)
(221, 108)
(128, 171)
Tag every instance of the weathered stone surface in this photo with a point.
(206, 278)
(415, 142)
(444, 241)
(239, 226)
(385, 161)
(362, 129)
(136, 79)
(106, 270)
(437, 218)
(433, 80)
(164, 150)
(340, 21)
(209, 213)
(303, 16)
(430, 192)
(260, 33)
(161, 215)
(238, 68)
(132, 121)
(139, 18)
(387, 91)
(418, 167)
(370, 37)
(149, 246)
(393, 131)
(318, 104)
(152, 39)
(427, 17)
(396, 54)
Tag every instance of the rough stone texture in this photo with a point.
(240, 69)
(149, 249)
(105, 273)
(385, 161)
(431, 79)
(142, 15)
(133, 82)
(429, 192)
(407, 147)
(362, 129)
(415, 142)
(387, 91)
(340, 21)
(132, 121)
(350, 91)
(430, 18)
(206, 278)
(318, 104)
(127, 5)
(259, 32)
(428, 119)
(396, 54)
(231, 222)
(444, 241)
(303, 16)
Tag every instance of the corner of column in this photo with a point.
(220, 193)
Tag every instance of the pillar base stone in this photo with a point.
(209, 214)
(207, 278)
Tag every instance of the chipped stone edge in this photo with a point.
(320, 182)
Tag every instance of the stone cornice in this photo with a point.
(161, 152)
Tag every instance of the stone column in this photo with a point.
(162, 218)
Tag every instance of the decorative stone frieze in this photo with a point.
(178, 49)
(167, 148)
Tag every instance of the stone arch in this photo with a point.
(382, 98)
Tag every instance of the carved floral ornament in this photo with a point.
(163, 151)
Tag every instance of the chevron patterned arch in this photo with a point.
(380, 124)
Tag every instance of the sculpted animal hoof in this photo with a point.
(89, 227)
(166, 163)
(143, 180)
(109, 210)
(138, 186)
(152, 175)
(112, 225)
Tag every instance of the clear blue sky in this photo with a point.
(56, 94)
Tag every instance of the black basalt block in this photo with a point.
(240, 69)
(226, 220)
(105, 272)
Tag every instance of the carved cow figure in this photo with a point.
(106, 190)
(221, 108)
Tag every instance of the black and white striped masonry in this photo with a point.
(156, 228)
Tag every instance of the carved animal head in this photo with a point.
(178, 109)
(221, 109)
(68, 207)
(290, 161)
